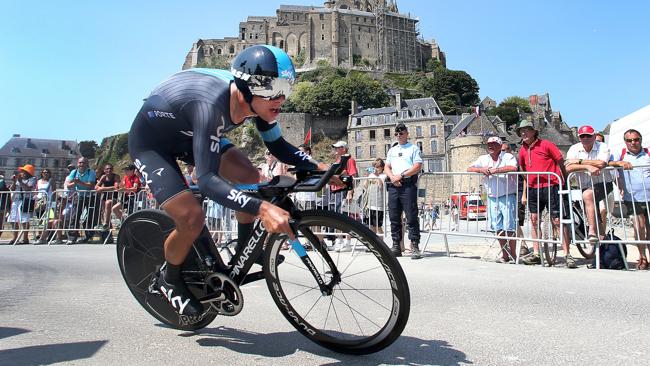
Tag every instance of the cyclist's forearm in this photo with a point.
(227, 195)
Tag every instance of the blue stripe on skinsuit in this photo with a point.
(285, 66)
(271, 135)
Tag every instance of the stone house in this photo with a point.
(41, 153)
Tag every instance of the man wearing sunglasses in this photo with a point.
(403, 163)
(184, 118)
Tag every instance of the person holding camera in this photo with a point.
(403, 163)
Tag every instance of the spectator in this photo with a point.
(521, 208)
(403, 163)
(591, 156)
(501, 192)
(305, 200)
(454, 217)
(375, 191)
(22, 201)
(107, 185)
(636, 188)
(131, 185)
(82, 180)
(272, 167)
(5, 201)
(335, 197)
(190, 178)
(607, 205)
(541, 191)
(45, 202)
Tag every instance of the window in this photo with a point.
(322, 37)
(433, 130)
(359, 152)
(373, 151)
(358, 20)
(434, 146)
(418, 131)
(372, 134)
(322, 26)
(358, 121)
(56, 163)
(420, 145)
(231, 49)
(19, 162)
(3, 161)
(321, 17)
(357, 136)
(250, 35)
(386, 148)
(434, 165)
(387, 133)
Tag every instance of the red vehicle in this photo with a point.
(470, 205)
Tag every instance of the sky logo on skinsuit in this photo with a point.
(238, 197)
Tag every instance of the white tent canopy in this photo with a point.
(638, 120)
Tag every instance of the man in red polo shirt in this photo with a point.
(542, 190)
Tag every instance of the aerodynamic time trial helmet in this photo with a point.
(263, 71)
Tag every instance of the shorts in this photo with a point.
(375, 218)
(641, 208)
(146, 149)
(549, 198)
(502, 212)
(601, 190)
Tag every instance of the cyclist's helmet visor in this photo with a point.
(270, 87)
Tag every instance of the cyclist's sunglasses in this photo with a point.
(270, 88)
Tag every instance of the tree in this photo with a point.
(510, 109)
(215, 61)
(451, 88)
(332, 95)
(432, 65)
(88, 149)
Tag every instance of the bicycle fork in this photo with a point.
(325, 288)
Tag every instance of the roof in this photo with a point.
(31, 147)
(298, 8)
(490, 129)
(419, 103)
(375, 111)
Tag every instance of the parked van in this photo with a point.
(470, 205)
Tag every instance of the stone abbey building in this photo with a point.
(365, 34)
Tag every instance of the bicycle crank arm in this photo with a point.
(214, 297)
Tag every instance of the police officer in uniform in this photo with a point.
(403, 163)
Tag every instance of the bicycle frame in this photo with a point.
(244, 258)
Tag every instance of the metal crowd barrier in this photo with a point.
(463, 208)
(69, 213)
(610, 217)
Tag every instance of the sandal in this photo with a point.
(642, 264)
(593, 239)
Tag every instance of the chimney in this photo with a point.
(398, 101)
(353, 107)
(464, 115)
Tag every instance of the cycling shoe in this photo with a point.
(179, 296)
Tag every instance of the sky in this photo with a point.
(78, 70)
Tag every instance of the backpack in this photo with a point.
(624, 151)
(610, 254)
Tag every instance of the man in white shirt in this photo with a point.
(590, 156)
(403, 163)
(501, 192)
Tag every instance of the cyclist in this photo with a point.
(184, 118)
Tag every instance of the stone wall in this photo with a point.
(295, 126)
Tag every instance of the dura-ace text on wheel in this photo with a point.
(363, 304)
